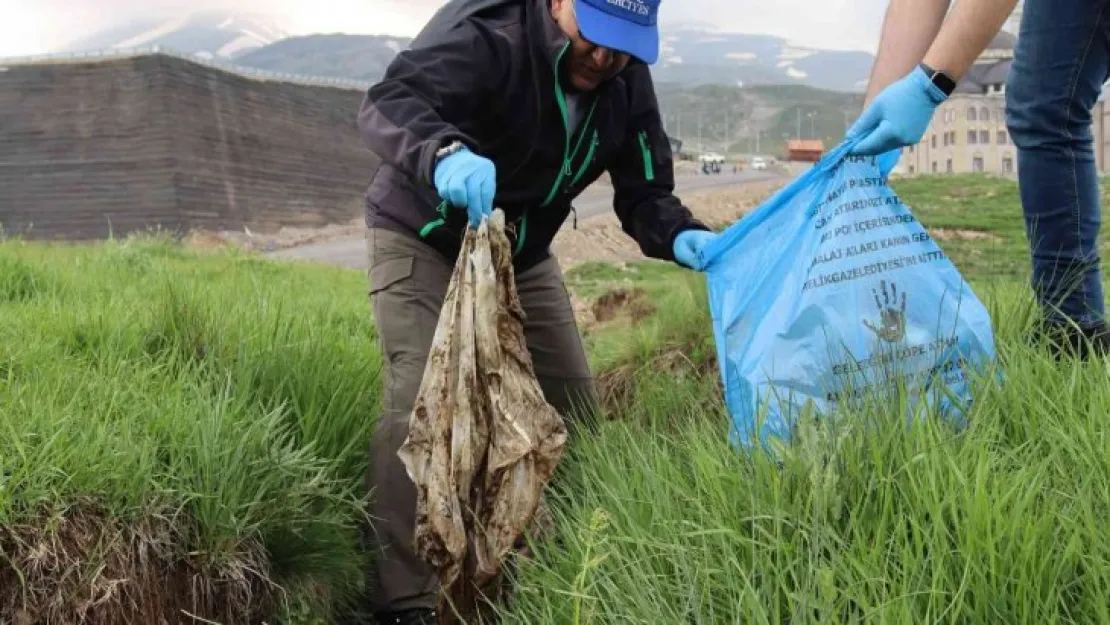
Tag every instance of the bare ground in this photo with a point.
(601, 238)
(82, 565)
(714, 203)
(285, 238)
(946, 234)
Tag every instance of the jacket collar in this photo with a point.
(544, 32)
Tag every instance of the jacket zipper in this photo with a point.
(562, 102)
(649, 171)
(586, 161)
(568, 156)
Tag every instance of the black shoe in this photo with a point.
(416, 616)
(1069, 340)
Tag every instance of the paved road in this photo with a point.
(595, 201)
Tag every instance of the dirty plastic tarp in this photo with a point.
(482, 440)
(831, 290)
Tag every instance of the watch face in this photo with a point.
(945, 82)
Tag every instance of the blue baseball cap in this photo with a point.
(630, 26)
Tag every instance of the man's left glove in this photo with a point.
(688, 246)
(898, 116)
(468, 181)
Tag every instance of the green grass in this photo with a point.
(660, 521)
(224, 393)
(982, 204)
(215, 410)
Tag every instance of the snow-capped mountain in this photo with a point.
(688, 56)
(693, 55)
(690, 53)
(358, 57)
(211, 34)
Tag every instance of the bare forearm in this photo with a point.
(909, 28)
(967, 32)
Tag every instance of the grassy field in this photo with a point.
(978, 220)
(169, 415)
(186, 431)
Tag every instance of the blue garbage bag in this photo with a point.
(830, 295)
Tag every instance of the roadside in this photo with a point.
(602, 239)
(717, 199)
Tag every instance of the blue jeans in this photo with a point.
(1061, 61)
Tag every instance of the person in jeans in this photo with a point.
(520, 105)
(1061, 61)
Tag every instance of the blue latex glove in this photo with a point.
(898, 116)
(888, 160)
(467, 181)
(688, 246)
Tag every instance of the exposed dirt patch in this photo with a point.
(633, 302)
(962, 193)
(583, 311)
(204, 240)
(617, 305)
(602, 239)
(283, 238)
(270, 240)
(617, 387)
(80, 565)
(946, 234)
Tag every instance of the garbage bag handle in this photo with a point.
(831, 159)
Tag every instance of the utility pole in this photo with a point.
(727, 142)
(798, 135)
(701, 146)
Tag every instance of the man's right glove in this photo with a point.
(898, 116)
(468, 181)
(688, 246)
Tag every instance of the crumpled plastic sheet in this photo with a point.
(483, 442)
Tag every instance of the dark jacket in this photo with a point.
(485, 72)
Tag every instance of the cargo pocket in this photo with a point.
(389, 303)
(386, 273)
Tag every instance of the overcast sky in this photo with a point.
(36, 26)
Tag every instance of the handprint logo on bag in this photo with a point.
(892, 324)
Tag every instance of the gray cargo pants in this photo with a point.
(408, 283)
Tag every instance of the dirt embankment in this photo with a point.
(598, 238)
(283, 239)
(601, 238)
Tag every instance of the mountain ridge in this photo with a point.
(718, 91)
(687, 57)
(690, 54)
(206, 34)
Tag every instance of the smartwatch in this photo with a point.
(942, 80)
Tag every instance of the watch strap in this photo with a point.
(942, 80)
(448, 150)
